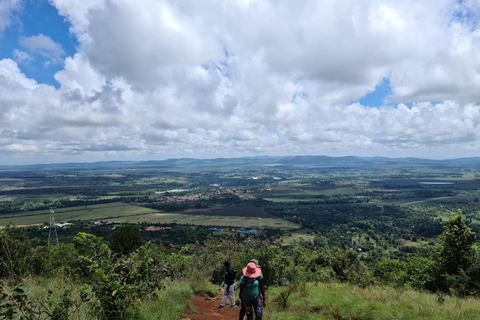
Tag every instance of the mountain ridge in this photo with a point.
(321, 161)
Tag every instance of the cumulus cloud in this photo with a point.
(44, 46)
(77, 12)
(78, 74)
(145, 53)
(159, 79)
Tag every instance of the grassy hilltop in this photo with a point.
(337, 238)
(127, 278)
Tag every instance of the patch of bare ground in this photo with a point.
(207, 309)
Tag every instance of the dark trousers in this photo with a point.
(256, 305)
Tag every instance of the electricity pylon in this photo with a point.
(52, 227)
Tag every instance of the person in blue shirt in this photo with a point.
(252, 291)
(228, 286)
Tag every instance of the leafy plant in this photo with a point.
(126, 239)
(18, 303)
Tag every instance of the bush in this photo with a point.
(126, 239)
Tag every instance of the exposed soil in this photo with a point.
(207, 309)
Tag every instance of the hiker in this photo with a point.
(228, 286)
(242, 310)
(252, 292)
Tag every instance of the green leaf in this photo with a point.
(18, 289)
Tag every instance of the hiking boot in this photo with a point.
(221, 307)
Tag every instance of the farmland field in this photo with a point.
(104, 212)
(239, 211)
(206, 220)
(118, 212)
(450, 183)
(382, 210)
(299, 235)
(304, 193)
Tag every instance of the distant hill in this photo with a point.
(253, 162)
(324, 161)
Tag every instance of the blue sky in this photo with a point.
(91, 80)
(379, 96)
(38, 17)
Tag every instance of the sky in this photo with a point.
(100, 80)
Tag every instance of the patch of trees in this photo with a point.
(344, 225)
(226, 199)
(115, 278)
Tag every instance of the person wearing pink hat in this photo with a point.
(252, 291)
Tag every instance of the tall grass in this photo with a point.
(344, 301)
(168, 303)
(305, 301)
(45, 291)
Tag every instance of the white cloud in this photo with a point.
(78, 74)
(21, 56)
(77, 12)
(227, 78)
(143, 42)
(7, 11)
(44, 46)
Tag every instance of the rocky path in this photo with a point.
(207, 309)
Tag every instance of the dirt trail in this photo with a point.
(207, 309)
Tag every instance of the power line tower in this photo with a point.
(52, 227)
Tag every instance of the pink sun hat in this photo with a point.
(251, 270)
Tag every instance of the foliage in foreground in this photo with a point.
(46, 299)
(347, 301)
(104, 283)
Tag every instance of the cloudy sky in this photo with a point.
(95, 80)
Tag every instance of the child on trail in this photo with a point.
(252, 292)
(228, 286)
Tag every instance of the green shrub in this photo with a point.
(126, 239)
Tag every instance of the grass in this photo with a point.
(37, 289)
(169, 304)
(203, 288)
(204, 220)
(120, 212)
(304, 301)
(297, 237)
(104, 212)
(344, 301)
